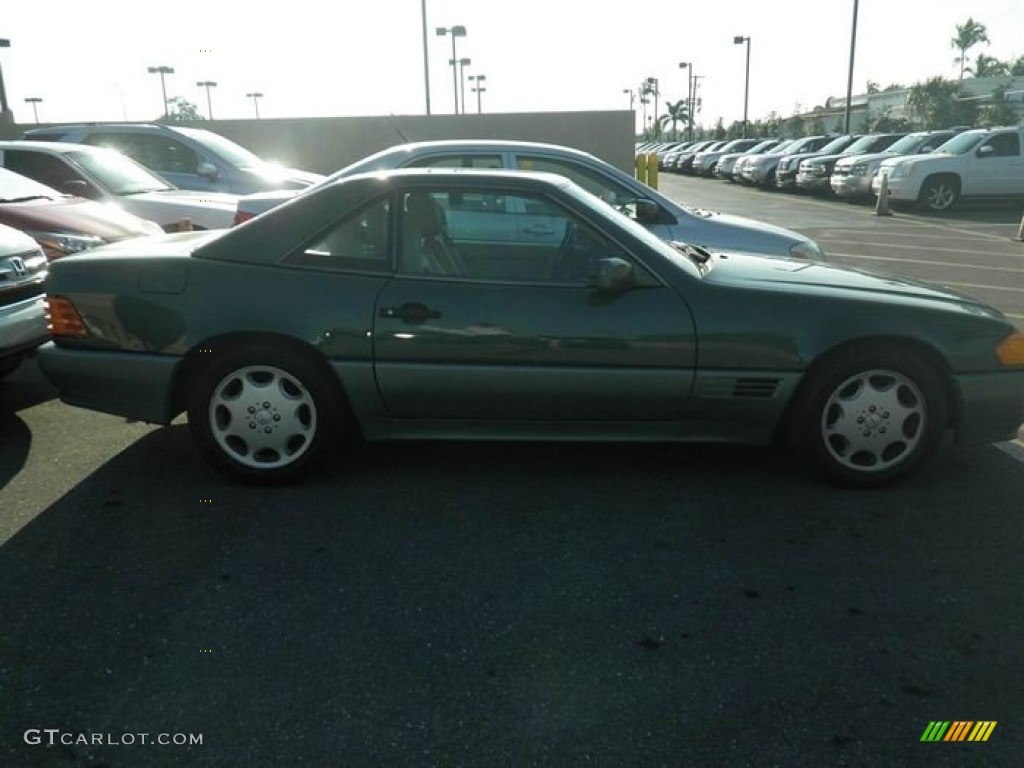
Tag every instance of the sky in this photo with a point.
(89, 60)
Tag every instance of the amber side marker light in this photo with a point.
(62, 319)
(1010, 350)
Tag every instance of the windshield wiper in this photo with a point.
(27, 198)
(694, 252)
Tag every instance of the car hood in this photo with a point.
(74, 216)
(900, 158)
(277, 176)
(845, 160)
(830, 280)
(740, 223)
(187, 197)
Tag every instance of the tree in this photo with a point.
(990, 66)
(934, 104)
(1017, 68)
(873, 87)
(998, 111)
(968, 35)
(676, 113)
(884, 122)
(180, 110)
(796, 126)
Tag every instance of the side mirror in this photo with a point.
(985, 151)
(647, 211)
(80, 188)
(209, 170)
(613, 274)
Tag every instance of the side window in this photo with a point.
(607, 188)
(46, 169)
(357, 243)
(534, 239)
(1005, 145)
(458, 161)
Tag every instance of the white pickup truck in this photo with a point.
(982, 163)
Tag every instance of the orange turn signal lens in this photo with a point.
(1010, 350)
(62, 319)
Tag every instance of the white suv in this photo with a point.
(983, 163)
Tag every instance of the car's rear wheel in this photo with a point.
(869, 419)
(265, 415)
(939, 193)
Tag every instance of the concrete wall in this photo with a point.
(325, 144)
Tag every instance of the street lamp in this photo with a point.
(208, 84)
(740, 40)
(426, 59)
(454, 32)
(688, 66)
(162, 70)
(255, 96)
(4, 43)
(849, 80)
(652, 84)
(477, 89)
(34, 100)
(463, 63)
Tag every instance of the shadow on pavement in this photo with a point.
(511, 604)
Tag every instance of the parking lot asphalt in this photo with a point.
(506, 604)
(972, 249)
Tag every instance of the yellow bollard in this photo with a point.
(641, 167)
(652, 170)
(882, 204)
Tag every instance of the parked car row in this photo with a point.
(498, 289)
(933, 169)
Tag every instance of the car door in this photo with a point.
(998, 168)
(527, 339)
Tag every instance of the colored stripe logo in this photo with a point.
(958, 730)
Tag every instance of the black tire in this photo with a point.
(939, 193)
(265, 415)
(868, 419)
(769, 181)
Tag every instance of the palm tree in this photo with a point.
(968, 35)
(676, 113)
(990, 66)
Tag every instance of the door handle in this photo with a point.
(413, 312)
(536, 229)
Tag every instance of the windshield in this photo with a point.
(233, 153)
(14, 187)
(801, 145)
(908, 144)
(119, 174)
(961, 145)
(834, 146)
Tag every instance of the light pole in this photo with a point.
(478, 89)
(849, 80)
(455, 32)
(688, 66)
(426, 59)
(652, 83)
(740, 40)
(34, 101)
(255, 96)
(695, 101)
(162, 70)
(463, 63)
(4, 43)
(208, 84)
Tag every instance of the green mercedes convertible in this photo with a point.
(463, 304)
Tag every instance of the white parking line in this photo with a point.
(915, 247)
(1014, 449)
(927, 262)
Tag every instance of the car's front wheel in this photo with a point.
(939, 193)
(870, 419)
(264, 415)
